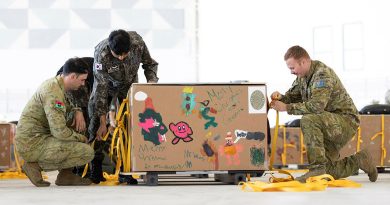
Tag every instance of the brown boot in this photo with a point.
(33, 172)
(66, 178)
(366, 164)
(311, 173)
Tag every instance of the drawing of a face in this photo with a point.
(181, 130)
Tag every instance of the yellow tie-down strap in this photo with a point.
(317, 183)
(120, 146)
(382, 133)
(12, 173)
(16, 173)
(285, 146)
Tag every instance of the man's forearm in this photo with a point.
(102, 120)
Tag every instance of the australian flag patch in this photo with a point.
(320, 84)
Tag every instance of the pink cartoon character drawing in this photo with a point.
(182, 131)
(231, 150)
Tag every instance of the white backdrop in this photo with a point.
(238, 40)
(247, 39)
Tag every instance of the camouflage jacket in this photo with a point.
(45, 116)
(114, 77)
(321, 90)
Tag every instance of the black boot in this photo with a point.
(96, 175)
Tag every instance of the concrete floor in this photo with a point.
(186, 190)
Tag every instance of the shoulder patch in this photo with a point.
(59, 104)
(320, 84)
(98, 66)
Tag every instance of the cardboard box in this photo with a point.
(350, 148)
(7, 133)
(288, 145)
(371, 125)
(198, 127)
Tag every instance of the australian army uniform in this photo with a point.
(112, 80)
(329, 121)
(42, 135)
(79, 99)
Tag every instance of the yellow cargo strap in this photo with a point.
(303, 147)
(382, 133)
(12, 173)
(111, 180)
(273, 151)
(121, 143)
(359, 138)
(92, 145)
(285, 145)
(317, 183)
(18, 173)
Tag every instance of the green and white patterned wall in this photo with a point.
(37, 36)
(78, 24)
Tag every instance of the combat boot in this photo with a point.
(96, 175)
(66, 178)
(366, 164)
(33, 172)
(311, 173)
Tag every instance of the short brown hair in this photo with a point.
(296, 52)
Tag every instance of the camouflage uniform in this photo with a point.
(112, 81)
(42, 135)
(113, 77)
(329, 121)
(79, 99)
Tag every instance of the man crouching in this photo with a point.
(43, 139)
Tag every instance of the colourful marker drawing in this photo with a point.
(182, 131)
(153, 128)
(204, 111)
(188, 103)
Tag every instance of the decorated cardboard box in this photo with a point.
(198, 127)
(289, 149)
(7, 133)
(350, 148)
(375, 136)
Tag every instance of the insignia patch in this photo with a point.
(59, 104)
(98, 66)
(320, 84)
(113, 69)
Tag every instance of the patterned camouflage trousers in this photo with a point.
(324, 135)
(56, 154)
